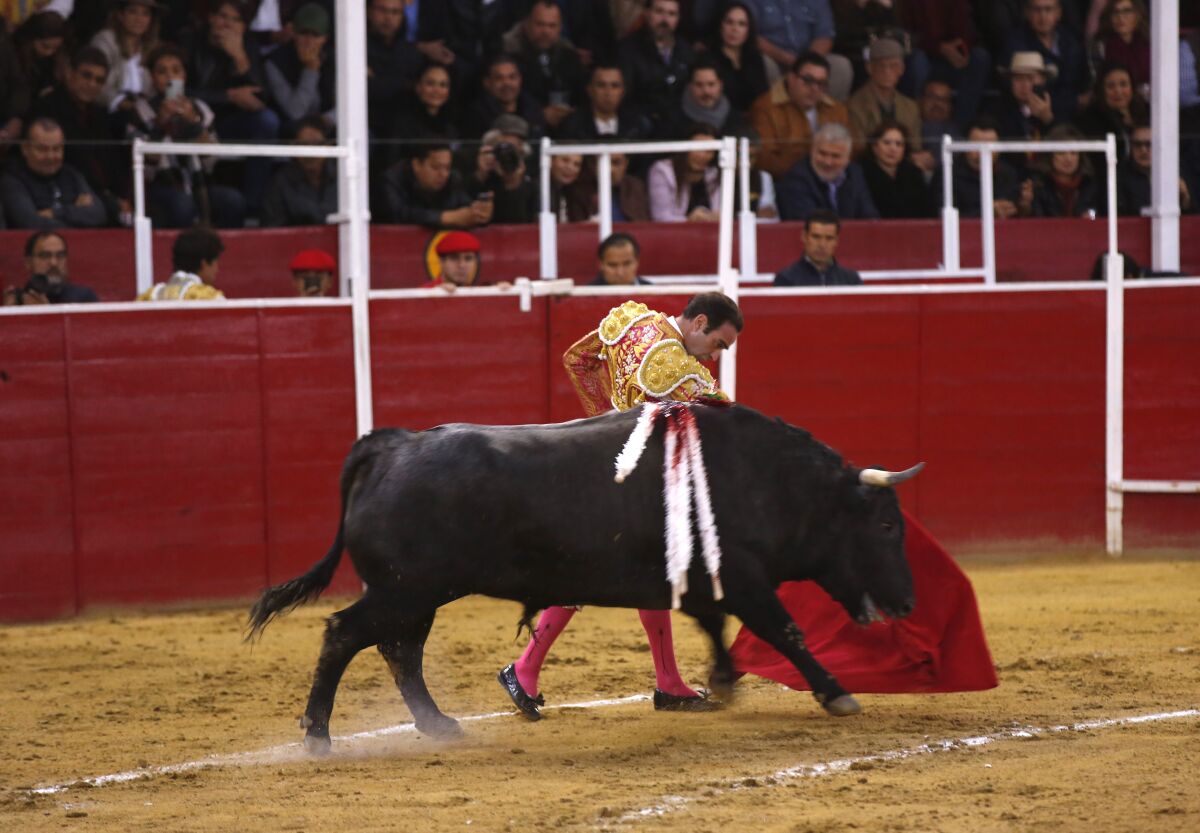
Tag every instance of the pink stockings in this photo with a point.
(553, 622)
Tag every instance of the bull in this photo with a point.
(531, 513)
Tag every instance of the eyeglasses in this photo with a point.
(812, 81)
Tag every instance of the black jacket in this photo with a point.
(89, 147)
(581, 125)
(394, 69)
(800, 191)
(653, 85)
(291, 201)
(408, 203)
(804, 273)
(24, 194)
(211, 71)
(907, 195)
(486, 108)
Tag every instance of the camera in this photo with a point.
(508, 158)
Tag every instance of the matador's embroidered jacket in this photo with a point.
(635, 355)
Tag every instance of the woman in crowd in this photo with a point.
(1116, 107)
(1124, 38)
(629, 200)
(565, 187)
(129, 36)
(686, 186)
(1064, 185)
(897, 185)
(734, 48)
(39, 41)
(425, 114)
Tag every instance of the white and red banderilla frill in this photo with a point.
(685, 486)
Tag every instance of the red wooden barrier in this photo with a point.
(255, 262)
(174, 455)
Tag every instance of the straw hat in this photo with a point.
(1027, 63)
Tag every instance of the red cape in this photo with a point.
(939, 647)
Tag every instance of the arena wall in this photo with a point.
(164, 456)
(255, 261)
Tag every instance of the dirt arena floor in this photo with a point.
(1075, 640)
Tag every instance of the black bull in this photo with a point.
(532, 513)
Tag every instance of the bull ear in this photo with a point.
(885, 478)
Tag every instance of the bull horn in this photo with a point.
(881, 477)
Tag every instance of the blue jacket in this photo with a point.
(804, 273)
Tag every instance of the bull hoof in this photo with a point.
(664, 702)
(722, 686)
(318, 744)
(843, 706)
(440, 727)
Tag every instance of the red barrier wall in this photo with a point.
(255, 261)
(170, 455)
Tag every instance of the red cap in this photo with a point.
(458, 241)
(313, 260)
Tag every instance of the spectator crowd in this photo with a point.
(844, 101)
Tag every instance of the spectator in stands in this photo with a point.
(194, 258)
(703, 102)
(46, 266)
(819, 266)
(425, 114)
(859, 22)
(741, 64)
(503, 93)
(789, 28)
(1061, 46)
(460, 34)
(654, 62)
(393, 62)
(879, 99)
(1116, 106)
(944, 42)
(312, 273)
(458, 261)
(426, 190)
(998, 19)
(129, 36)
(1124, 38)
(551, 69)
(40, 191)
(1009, 191)
(226, 73)
(686, 186)
(565, 186)
(617, 259)
(74, 106)
(178, 190)
(589, 26)
(898, 187)
(606, 114)
(826, 180)
(937, 115)
(39, 41)
(1064, 185)
(14, 92)
(630, 202)
(501, 171)
(1026, 109)
(796, 106)
(1133, 176)
(304, 192)
(301, 74)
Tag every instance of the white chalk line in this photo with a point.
(294, 751)
(675, 803)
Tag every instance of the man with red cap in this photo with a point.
(458, 253)
(312, 272)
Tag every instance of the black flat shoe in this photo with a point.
(664, 702)
(527, 705)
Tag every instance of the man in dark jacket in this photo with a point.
(819, 267)
(304, 192)
(703, 102)
(1060, 46)
(392, 62)
(827, 179)
(551, 70)
(426, 190)
(46, 265)
(85, 125)
(503, 93)
(39, 190)
(460, 34)
(654, 61)
(606, 113)
(617, 258)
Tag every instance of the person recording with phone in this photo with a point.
(1026, 110)
(46, 266)
(312, 273)
(501, 174)
(177, 189)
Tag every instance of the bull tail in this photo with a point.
(282, 598)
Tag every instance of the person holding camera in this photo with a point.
(312, 273)
(177, 189)
(500, 171)
(46, 262)
(1026, 110)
